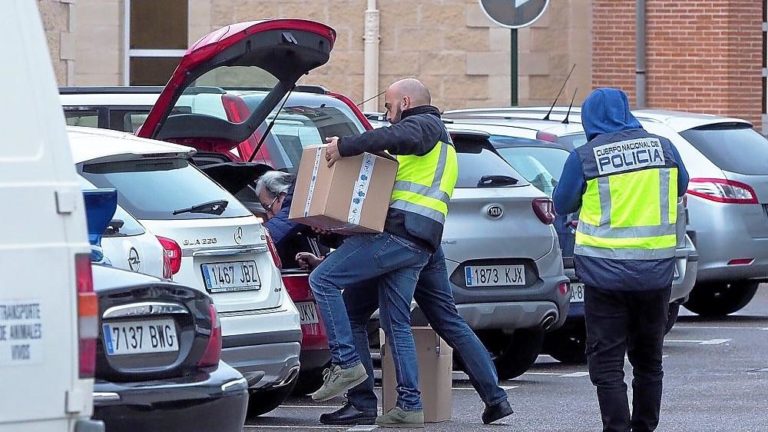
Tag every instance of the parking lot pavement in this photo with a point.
(716, 380)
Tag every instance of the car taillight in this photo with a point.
(546, 136)
(544, 209)
(273, 250)
(237, 112)
(563, 288)
(235, 107)
(87, 316)
(171, 257)
(212, 353)
(722, 191)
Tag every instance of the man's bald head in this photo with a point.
(414, 89)
(405, 94)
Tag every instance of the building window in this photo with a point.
(155, 40)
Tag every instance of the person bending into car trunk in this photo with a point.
(626, 182)
(426, 175)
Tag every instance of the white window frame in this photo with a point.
(128, 53)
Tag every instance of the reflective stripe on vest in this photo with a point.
(424, 184)
(629, 216)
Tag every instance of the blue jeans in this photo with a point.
(394, 264)
(435, 299)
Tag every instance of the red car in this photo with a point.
(222, 100)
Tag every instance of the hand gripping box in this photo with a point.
(352, 196)
(435, 358)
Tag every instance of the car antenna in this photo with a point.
(565, 120)
(271, 123)
(546, 117)
(372, 97)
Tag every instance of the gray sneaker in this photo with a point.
(337, 380)
(397, 418)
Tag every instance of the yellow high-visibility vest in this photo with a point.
(424, 184)
(629, 214)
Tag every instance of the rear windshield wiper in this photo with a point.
(496, 180)
(216, 207)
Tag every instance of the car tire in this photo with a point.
(568, 345)
(720, 299)
(513, 354)
(263, 401)
(674, 310)
(309, 381)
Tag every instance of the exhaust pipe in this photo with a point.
(549, 320)
(291, 375)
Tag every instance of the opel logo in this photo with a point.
(239, 235)
(495, 211)
(133, 260)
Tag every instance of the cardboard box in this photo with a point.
(435, 359)
(352, 196)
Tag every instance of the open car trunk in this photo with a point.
(268, 55)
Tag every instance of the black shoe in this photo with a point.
(496, 412)
(348, 415)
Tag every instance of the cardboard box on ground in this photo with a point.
(352, 196)
(435, 358)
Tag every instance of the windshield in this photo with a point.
(153, 189)
(732, 147)
(541, 166)
(304, 121)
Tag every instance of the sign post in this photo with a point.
(514, 14)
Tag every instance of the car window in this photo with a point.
(477, 161)
(154, 189)
(573, 141)
(303, 125)
(541, 166)
(732, 147)
(130, 226)
(86, 118)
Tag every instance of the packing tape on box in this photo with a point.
(361, 189)
(312, 181)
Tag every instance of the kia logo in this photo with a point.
(495, 211)
(239, 235)
(133, 260)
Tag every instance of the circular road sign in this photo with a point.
(514, 13)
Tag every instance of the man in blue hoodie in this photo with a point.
(626, 183)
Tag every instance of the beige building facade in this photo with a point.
(451, 45)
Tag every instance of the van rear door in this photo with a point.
(43, 228)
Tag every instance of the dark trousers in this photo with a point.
(631, 323)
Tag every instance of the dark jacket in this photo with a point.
(417, 133)
(280, 228)
(291, 238)
(607, 119)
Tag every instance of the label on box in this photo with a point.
(361, 189)
(312, 181)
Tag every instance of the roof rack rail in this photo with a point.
(135, 90)
(110, 89)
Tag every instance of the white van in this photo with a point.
(48, 312)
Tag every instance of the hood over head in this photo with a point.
(606, 110)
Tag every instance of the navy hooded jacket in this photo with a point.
(605, 114)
